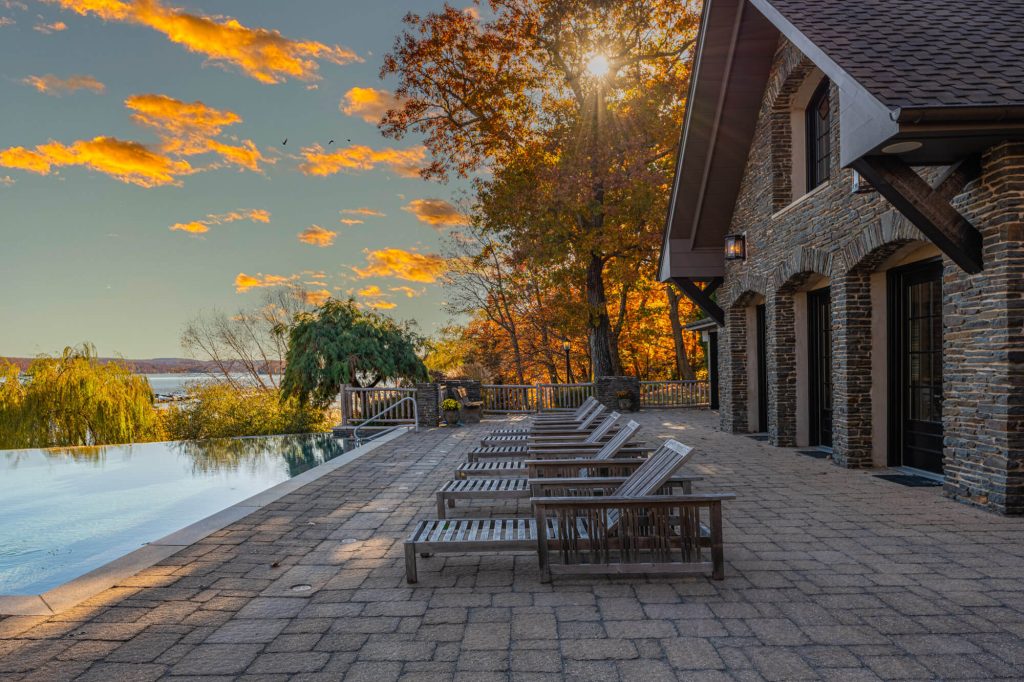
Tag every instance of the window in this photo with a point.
(818, 124)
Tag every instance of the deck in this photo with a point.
(831, 574)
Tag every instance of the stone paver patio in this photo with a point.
(831, 574)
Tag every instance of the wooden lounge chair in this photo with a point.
(584, 427)
(508, 468)
(594, 440)
(552, 419)
(603, 464)
(632, 530)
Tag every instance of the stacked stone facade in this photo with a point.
(836, 237)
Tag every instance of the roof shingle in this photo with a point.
(921, 53)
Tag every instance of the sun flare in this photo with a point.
(598, 65)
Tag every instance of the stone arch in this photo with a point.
(803, 263)
(734, 384)
(783, 92)
(853, 335)
(788, 277)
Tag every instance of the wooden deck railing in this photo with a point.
(509, 398)
(359, 404)
(674, 394)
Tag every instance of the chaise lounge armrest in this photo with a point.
(642, 501)
(601, 481)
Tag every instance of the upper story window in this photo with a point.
(818, 124)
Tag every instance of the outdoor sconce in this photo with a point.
(705, 337)
(735, 247)
(565, 346)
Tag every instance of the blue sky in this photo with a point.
(88, 253)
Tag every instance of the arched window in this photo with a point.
(818, 124)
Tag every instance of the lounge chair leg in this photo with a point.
(717, 549)
(410, 562)
(440, 505)
(451, 503)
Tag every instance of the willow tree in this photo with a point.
(340, 344)
(573, 105)
(76, 399)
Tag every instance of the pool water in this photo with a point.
(64, 512)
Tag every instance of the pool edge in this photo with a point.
(73, 592)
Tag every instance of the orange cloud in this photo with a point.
(437, 213)
(368, 104)
(351, 221)
(408, 291)
(129, 162)
(317, 236)
(55, 85)
(315, 297)
(189, 128)
(55, 27)
(406, 265)
(194, 227)
(363, 211)
(244, 282)
(260, 53)
(404, 162)
(256, 215)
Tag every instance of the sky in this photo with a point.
(144, 179)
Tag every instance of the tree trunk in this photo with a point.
(683, 368)
(600, 326)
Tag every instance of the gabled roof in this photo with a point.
(921, 53)
(948, 73)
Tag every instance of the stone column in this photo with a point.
(428, 407)
(851, 369)
(607, 388)
(781, 349)
(732, 365)
(983, 370)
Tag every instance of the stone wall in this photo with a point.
(606, 391)
(837, 238)
(983, 371)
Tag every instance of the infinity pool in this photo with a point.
(64, 512)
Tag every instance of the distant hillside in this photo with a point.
(159, 365)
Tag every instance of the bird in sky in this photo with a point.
(330, 143)
(285, 142)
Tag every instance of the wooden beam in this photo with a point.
(926, 207)
(701, 297)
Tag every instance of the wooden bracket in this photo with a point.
(928, 207)
(702, 297)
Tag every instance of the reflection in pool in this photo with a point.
(64, 512)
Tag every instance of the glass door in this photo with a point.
(819, 344)
(762, 370)
(916, 374)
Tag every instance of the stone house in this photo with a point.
(864, 164)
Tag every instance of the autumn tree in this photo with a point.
(574, 106)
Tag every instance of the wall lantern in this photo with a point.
(705, 337)
(735, 247)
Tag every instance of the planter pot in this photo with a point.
(451, 417)
(625, 404)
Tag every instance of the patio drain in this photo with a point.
(302, 588)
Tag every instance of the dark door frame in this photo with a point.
(895, 319)
(760, 314)
(819, 433)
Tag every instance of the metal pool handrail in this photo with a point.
(416, 427)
